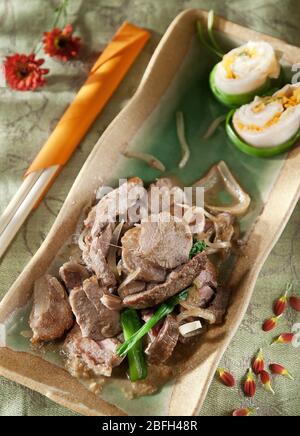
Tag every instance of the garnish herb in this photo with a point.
(131, 323)
(163, 310)
(198, 247)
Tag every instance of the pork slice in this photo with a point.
(86, 314)
(94, 256)
(51, 315)
(161, 348)
(176, 282)
(98, 357)
(132, 260)
(116, 203)
(205, 286)
(131, 288)
(165, 241)
(73, 274)
(220, 304)
(109, 320)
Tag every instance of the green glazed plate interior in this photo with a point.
(190, 93)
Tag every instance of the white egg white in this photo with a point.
(246, 68)
(269, 121)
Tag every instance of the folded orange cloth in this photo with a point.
(103, 79)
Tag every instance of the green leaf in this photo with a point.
(198, 247)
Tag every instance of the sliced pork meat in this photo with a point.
(94, 255)
(98, 357)
(161, 348)
(219, 305)
(131, 288)
(119, 202)
(51, 314)
(165, 241)
(134, 261)
(96, 321)
(112, 302)
(163, 196)
(176, 282)
(73, 274)
(205, 286)
(109, 320)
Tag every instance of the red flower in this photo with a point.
(24, 72)
(266, 381)
(258, 364)
(61, 43)
(226, 378)
(243, 412)
(250, 385)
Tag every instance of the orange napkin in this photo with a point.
(103, 79)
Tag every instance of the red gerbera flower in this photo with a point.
(61, 43)
(24, 72)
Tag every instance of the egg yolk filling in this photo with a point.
(286, 101)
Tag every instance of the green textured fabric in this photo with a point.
(26, 119)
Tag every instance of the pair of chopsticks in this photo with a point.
(22, 204)
(103, 79)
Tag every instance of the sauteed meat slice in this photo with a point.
(95, 252)
(98, 357)
(165, 241)
(119, 202)
(219, 305)
(51, 314)
(96, 321)
(134, 261)
(162, 346)
(73, 274)
(131, 288)
(176, 281)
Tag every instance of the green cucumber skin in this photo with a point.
(250, 149)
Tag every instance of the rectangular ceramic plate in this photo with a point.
(176, 79)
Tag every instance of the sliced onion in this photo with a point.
(214, 125)
(218, 245)
(112, 254)
(151, 160)
(81, 239)
(130, 278)
(195, 311)
(182, 139)
(221, 173)
(190, 327)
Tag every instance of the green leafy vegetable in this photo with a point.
(163, 310)
(131, 323)
(198, 247)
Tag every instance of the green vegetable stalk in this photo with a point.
(131, 323)
(163, 310)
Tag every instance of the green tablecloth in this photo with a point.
(26, 120)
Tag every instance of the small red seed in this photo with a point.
(243, 412)
(250, 385)
(284, 338)
(295, 303)
(258, 364)
(226, 378)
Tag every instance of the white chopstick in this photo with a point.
(26, 201)
(17, 199)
